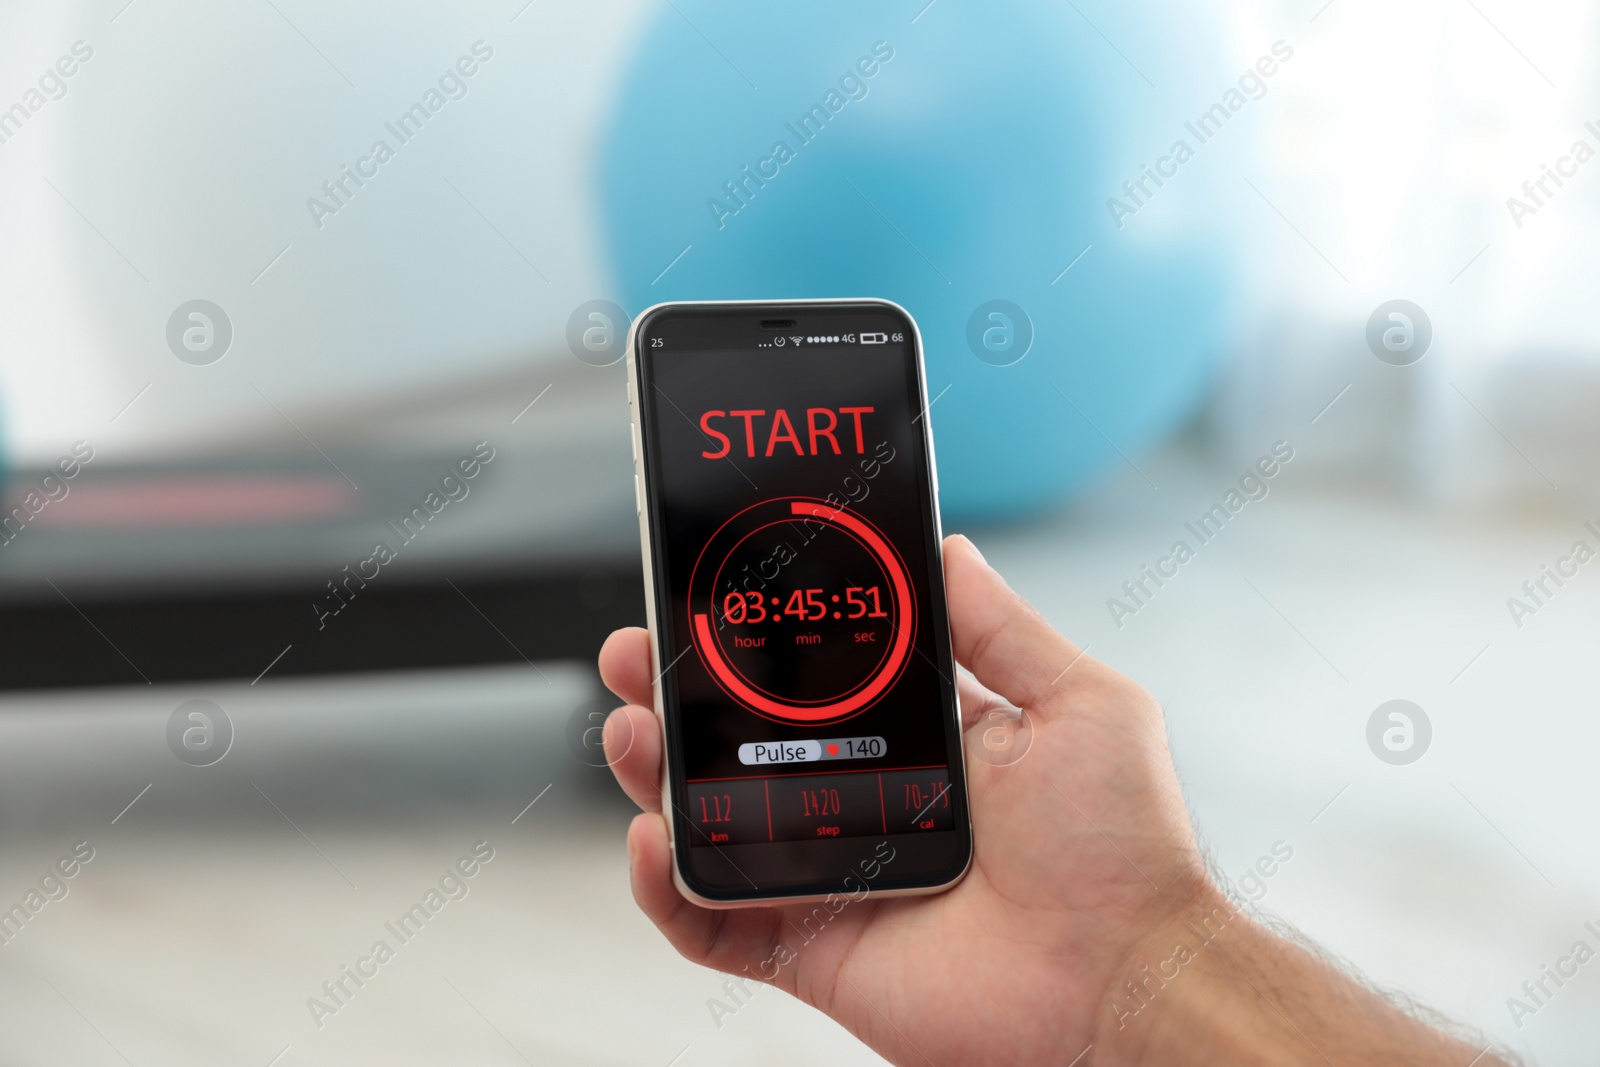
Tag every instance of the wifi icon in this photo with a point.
(796, 340)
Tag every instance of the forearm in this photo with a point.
(1214, 987)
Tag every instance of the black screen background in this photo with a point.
(696, 495)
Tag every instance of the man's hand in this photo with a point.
(1064, 939)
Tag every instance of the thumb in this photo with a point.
(999, 637)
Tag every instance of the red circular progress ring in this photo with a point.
(724, 674)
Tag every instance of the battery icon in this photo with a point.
(874, 338)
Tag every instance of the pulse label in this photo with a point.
(755, 753)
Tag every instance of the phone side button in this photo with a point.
(638, 496)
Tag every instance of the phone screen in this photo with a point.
(800, 606)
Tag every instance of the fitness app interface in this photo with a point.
(801, 630)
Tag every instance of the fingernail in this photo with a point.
(972, 546)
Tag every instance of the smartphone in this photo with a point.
(789, 519)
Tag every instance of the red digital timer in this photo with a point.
(801, 610)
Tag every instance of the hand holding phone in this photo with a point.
(1085, 860)
(1087, 930)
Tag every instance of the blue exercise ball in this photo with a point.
(956, 164)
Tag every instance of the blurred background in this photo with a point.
(272, 270)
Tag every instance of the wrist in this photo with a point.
(1168, 980)
(1210, 985)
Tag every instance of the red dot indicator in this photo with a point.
(836, 600)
